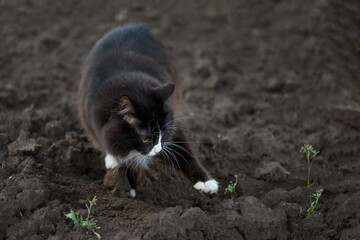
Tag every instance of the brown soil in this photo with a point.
(261, 78)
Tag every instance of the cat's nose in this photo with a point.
(157, 148)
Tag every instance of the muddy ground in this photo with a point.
(261, 78)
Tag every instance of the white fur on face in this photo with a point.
(157, 148)
(134, 158)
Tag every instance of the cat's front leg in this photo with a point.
(178, 150)
(209, 186)
(133, 174)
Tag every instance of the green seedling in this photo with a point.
(88, 222)
(231, 189)
(310, 153)
(314, 203)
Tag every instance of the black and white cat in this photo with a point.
(129, 96)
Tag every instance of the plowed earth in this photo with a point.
(261, 78)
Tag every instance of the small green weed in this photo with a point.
(88, 222)
(231, 189)
(310, 153)
(314, 203)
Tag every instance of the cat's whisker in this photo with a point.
(175, 131)
(171, 149)
(165, 155)
(171, 132)
(183, 149)
(173, 127)
(177, 119)
(139, 160)
(127, 160)
(174, 157)
(145, 160)
(135, 162)
(171, 157)
(180, 147)
(187, 142)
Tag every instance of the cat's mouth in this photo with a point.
(157, 148)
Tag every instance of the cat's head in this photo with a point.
(139, 120)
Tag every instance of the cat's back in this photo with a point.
(125, 38)
(131, 48)
(131, 38)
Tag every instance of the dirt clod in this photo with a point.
(271, 171)
(23, 145)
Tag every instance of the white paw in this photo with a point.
(110, 161)
(132, 193)
(210, 186)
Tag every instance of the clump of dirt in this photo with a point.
(260, 80)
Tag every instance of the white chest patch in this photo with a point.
(134, 158)
(110, 161)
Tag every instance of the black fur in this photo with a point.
(130, 91)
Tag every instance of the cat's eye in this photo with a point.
(146, 140)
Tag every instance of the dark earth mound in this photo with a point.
(261, 78)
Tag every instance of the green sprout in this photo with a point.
(310, 153)
(232, 188)
(314, 203)
(88, 222)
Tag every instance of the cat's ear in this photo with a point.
(164, 91)
(125, 106)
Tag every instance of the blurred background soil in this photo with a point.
(261, 78)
